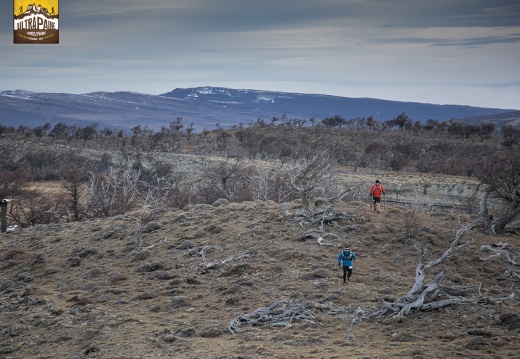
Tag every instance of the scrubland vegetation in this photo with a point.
(104, 172)
(223, 244)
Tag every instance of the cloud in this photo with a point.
(371, 48)
(463, 42)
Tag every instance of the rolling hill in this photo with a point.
(207, 106)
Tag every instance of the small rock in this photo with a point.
(220, 202)
(210, 332)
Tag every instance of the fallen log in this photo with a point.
(433, 296)
(278, 314)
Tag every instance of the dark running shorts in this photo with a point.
(347, 270)
(377, 199)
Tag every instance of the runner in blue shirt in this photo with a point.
(345, 258)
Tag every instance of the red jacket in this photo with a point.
(376, 190)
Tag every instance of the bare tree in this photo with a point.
(74, 177)
(306, 176)
(510, 136)
(13, 182)
(227, 178)
(34, 208)
(271, 184)
(401, 121)
(261, 185)
(500, 177)
(153, 204)
(112, 192)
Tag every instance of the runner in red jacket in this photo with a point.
(376, 191)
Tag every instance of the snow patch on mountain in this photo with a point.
(212, 91)
(227, 102)
(265, 98)
(19, 94)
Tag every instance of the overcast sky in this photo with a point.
(464, 52)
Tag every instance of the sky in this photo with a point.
(464, 52)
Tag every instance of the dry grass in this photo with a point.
(79, 290)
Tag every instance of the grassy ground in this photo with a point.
(83, 289)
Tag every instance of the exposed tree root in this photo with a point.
(498, 250)
(323, 216)
(207, 265)
(278, 314)
(433, 296)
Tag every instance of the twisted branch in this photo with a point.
(278, 314)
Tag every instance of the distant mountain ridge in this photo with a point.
(207, 106)
(507, 118)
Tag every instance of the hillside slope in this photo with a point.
(82, 290)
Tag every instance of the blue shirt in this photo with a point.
(346, 262)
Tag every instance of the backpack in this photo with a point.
(377, 190)
(346, 256)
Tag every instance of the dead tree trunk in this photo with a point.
(3, 216)
(423, 267)
(496, 224)
(309, 203)
(433, 296)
